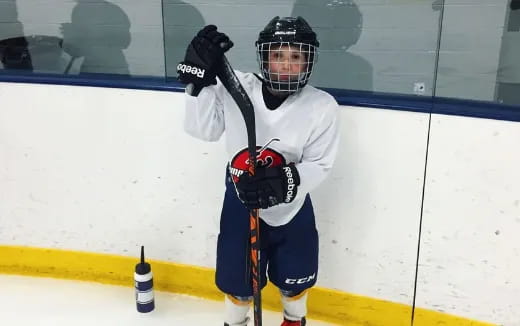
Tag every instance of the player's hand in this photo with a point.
(515, 4)
(268, 187)
(203, 56)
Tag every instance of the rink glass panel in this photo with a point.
(417, 48)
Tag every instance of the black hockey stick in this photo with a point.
(230, 81)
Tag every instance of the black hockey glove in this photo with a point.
(515, 4)
(269, 186)
(203, 56)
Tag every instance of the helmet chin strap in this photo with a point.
(278, 93)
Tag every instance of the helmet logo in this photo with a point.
(285, 33)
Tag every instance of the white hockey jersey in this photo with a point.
(303, 130)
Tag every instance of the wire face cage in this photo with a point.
(286, 66)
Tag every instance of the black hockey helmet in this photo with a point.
(294, 32)
(288, 29)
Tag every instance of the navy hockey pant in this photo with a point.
(289, 253)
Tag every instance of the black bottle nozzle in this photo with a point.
(142, 267)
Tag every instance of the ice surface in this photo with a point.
(39, 301)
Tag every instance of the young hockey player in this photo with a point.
(297, 140)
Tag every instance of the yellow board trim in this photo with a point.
(324, 304)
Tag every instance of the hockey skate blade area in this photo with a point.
(47, 301)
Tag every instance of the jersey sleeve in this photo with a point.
(320, 150)
(204, 114)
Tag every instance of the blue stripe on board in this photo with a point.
(382, 100)
(95, 80)
(477, 109)
(414, 103)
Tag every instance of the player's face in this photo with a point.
(286, 63)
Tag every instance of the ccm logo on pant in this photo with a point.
(300, 280)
